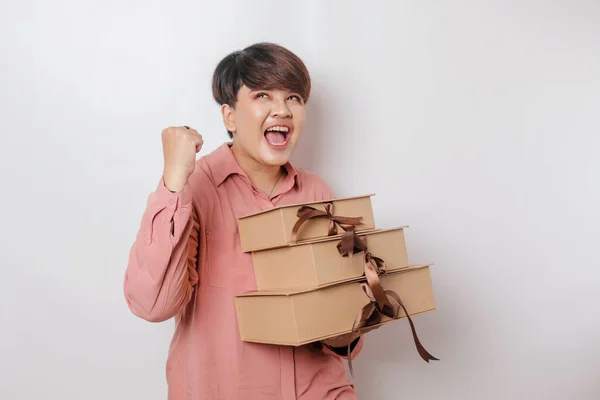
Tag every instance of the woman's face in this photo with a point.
(266, 124)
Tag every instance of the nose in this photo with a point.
(281, 109)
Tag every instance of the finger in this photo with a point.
(197, 138)
(192, 132)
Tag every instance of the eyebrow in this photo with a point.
(289, 92)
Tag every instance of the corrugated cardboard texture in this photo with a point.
(316, 264)
(273, 228)
(299, 317)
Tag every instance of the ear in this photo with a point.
(228, 114)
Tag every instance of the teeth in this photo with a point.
(279, 129)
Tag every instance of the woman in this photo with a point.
(262, 91)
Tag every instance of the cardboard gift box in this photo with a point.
(297, 317)
(273, 228)
(318, 263)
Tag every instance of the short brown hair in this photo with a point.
(260, 66)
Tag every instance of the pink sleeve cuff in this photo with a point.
(175, 199)
(176, 205)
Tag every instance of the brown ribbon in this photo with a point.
(372, 314)
(306, 212)
(373, 266)
(383, 302)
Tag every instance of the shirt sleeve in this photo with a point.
(161, 272)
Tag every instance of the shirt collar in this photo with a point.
(223, 164)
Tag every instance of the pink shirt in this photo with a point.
(207, 359)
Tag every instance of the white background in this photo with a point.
(474, 122)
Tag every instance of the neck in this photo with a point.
(262, 176)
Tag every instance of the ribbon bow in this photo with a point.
(374, 266)
(306, 212)
(372, 314)
(382, 302)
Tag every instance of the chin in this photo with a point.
(275, 160)
(274, 156)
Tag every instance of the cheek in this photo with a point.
(299, 118)
(250, 122)
(259, 114)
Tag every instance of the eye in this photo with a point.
(262, 95)
(295, 97)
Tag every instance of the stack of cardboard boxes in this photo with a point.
(307, 291)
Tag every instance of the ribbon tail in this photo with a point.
(370, 271)
(364, 315)
(425, 355)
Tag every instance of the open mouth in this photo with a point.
(277, 136)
